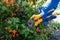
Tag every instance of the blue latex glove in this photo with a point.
(46, 7)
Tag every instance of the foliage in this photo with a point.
(13, 18)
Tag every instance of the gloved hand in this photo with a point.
(45, 13)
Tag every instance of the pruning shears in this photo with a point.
(37, 19)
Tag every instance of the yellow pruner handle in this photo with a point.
(35, 17)
(37, 22)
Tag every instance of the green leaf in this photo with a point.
(3, 8)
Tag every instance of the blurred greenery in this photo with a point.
(14, 17)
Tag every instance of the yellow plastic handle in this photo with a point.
(35, 17)
(37, 22)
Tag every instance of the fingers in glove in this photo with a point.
(48, 19)
(51, 15)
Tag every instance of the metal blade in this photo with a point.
(30, 22)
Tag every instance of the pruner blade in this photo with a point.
(30, 22)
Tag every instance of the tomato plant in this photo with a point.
(14, 15)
